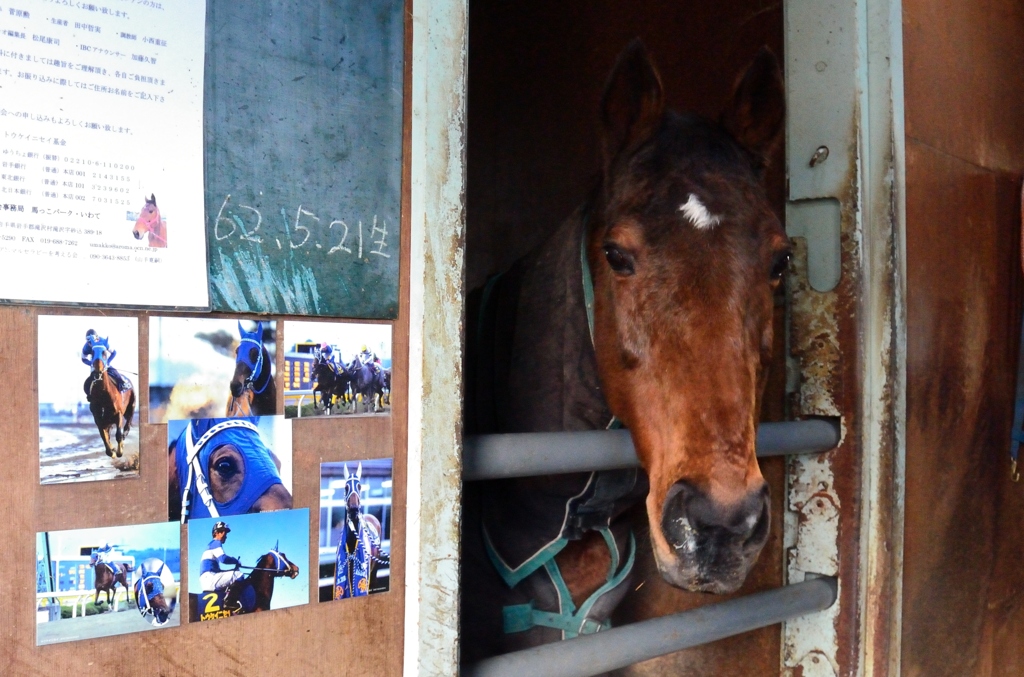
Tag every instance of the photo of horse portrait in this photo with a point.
(355, 528)
(150, 224)
(88, 406)
(211, 368)
(247, 563)
(335, 368)
(106, 581)
(228, 466)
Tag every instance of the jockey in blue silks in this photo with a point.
(214, 574)
(192, 452)
(352, 568)
(329, 357)
(92, 339)
(154, 578)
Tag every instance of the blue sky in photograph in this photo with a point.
(252, 536)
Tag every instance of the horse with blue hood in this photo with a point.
(155, 591)
(221, 466)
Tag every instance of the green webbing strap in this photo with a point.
(512, 576)
(572, 622)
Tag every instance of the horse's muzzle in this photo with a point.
(713, 546)
(137, 234)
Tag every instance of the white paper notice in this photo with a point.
(101, 153)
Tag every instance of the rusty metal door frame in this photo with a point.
(845, 164)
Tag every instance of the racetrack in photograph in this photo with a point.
(128, 619)
(73, 452)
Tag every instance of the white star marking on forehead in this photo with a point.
(698, 214)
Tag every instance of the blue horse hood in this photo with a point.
(209, 434)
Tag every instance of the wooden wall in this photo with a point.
(354, 637)
(536, 72)
(963, 593)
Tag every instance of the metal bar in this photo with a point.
(528, 454)
(619, 647)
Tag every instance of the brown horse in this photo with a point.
(151, 223)
(107, 576)
(268, 567)
(651, 306)
(238, 473)
(252, 386)
(110, 406)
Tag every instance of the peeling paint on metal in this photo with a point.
(435, 346)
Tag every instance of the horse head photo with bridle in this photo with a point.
(156, 591)
(651, 308)
(253, 390)
(212, 367)
(228, 466)
(360, 539)
(151, 224)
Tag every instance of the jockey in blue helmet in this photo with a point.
(91, 337)
(329, 357)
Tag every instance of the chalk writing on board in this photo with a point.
(305, 223)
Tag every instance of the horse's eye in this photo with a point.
(254, 354)
(780, 264)
(225, 467)
(621, 262)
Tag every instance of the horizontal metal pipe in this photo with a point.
(530, 454)
(619, 647)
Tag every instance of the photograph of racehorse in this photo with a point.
(211, 368)
(337, 368)
(228, 466)
(106, 581)
(150, 223)
(355, 528)
(247, 563)
(87, 401)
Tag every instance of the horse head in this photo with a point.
(279, 564)
(149, 218)
(100, 350)
(249, 359)
(354, 487)
(685, 254)
(150, 597)
(239, 473)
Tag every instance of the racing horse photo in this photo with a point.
(368, 385)
(359, 553)
(249, 594)
(111, 407)
(650, 307)
(151, 223)
(331, 383)
(219, 467)
(253, 390)
(107, 577)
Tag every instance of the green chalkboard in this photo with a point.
(303, 134)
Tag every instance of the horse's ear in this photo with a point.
(633, 102)
(758, 108)
(346, 472)
(259, 329)
(241, 332)
(152, 198)
(359, 471)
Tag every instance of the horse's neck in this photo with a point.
(552, 382)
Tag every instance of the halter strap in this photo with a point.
(195, 470)
(588, 302)
(257, 369)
